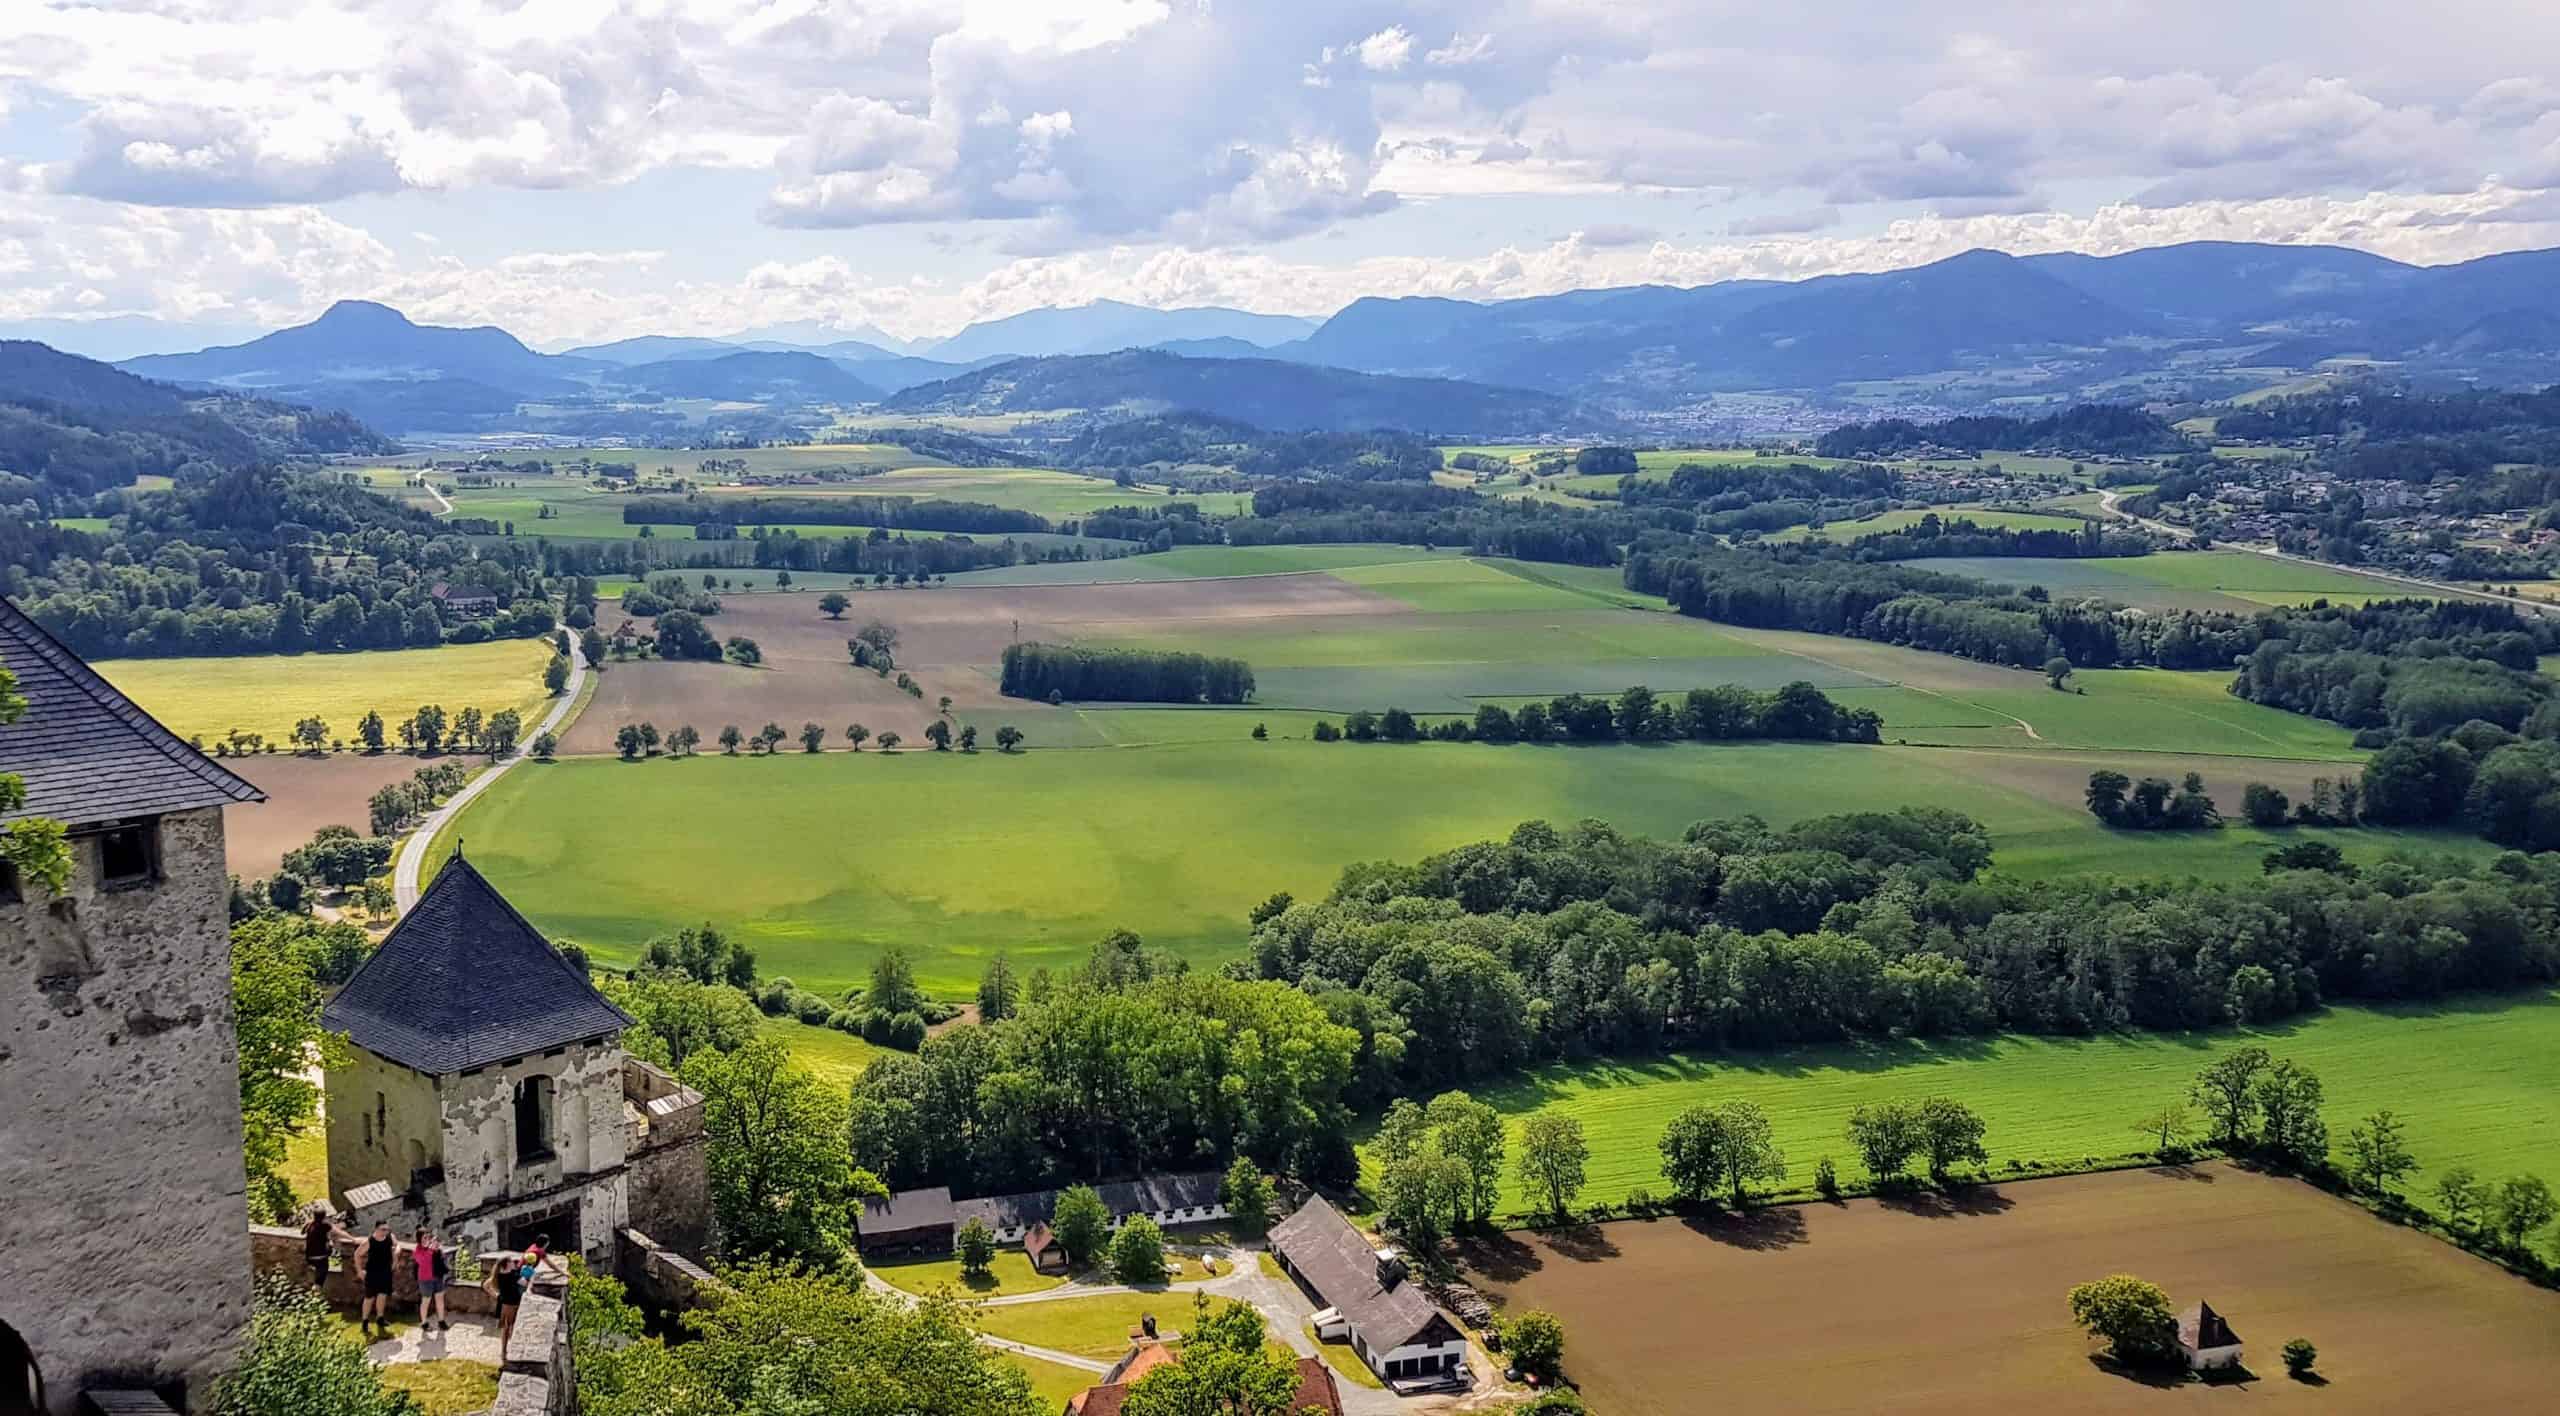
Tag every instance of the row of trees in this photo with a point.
(2152, 804)
(1725, 713)
(398, 804)
(636, 741)
(1057, 672)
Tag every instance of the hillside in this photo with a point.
(1268, 393)
(750, 377)
(1107, 325)
(75, 426)
(358, 341)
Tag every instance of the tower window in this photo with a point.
(129, 856)
(533, 1120)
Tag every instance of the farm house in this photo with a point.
(1399, 1332)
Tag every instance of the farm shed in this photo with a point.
(2208, 1342)
(908, 1222)
(1398, 1331)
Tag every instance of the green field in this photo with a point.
(2239, 582)
(1908, 517)
(580, 510)
(268, 693)
(1201, 563)
(836, 1057)
(818, 861)
(2470, 1077)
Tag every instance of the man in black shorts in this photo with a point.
(373, 1262)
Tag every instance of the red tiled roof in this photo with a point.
(1316, 1388)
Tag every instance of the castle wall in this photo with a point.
(670, 1187)
(377, 1111)
(479, 1125)
(120, 1125)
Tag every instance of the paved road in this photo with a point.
(413, 852)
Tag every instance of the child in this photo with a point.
(435, 1274)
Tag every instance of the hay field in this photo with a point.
(267, 693)
(1934, 1308)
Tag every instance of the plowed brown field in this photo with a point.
(1869, 1306)
(949, 640)
(303, 795)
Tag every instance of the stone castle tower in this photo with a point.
(124, 1251)
(489, 1094)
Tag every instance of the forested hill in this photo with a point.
(2087, 427)
(72, 426)
(1268, 393)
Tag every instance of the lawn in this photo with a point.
(1346, 1364)
(2470, 1077)
(448, 1386)
(1085, 1327)
(1011, 1273)
(267, 693)
(1051, 1383)
(836, 1057)
(817, 862)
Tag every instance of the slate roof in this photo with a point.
(2201, 1329)
(906, 1211)
(87, 752)
(464, 981)
(1337, 1261)
(1154, 1194)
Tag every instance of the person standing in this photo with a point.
(505, 1283)
(319, 1239)
(435, 1274)
(374, 1260)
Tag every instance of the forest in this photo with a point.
(1060, 672)
(1556, 942)
(257, 560)
(2089, 427)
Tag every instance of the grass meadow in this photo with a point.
(2485, 1099)
(268, 693)
(818, 861)
(2240, 582)
(1908, 517)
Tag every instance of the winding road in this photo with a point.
(413, 852)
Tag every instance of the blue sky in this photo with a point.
(587, 169)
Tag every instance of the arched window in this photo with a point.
(533, 1120)
(21, 1385)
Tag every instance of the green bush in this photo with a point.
(2299, 1354)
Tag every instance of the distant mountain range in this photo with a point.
(1268, 393)
(2195, 321)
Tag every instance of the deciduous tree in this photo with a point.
(1553, 1157)
(2130, 1315)
(2378, 1152)
(1081, 1222)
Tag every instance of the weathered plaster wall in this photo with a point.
(120, 1125)
(383, 1121)
(587, 1131)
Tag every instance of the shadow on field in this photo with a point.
(1973, 1200)
(2150, 1374)
(2196, 1173)
(1779, 1227)
(1583, 1243)
(1500, 1258)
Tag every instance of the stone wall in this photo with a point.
(535, 1377)
(670, 1185)
(278, 1250)
(587, 1133)
(659, 1277)
(120, 1125)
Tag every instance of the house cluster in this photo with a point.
(928, 1221)
(1370, 1302)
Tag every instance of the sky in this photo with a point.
(580, 170)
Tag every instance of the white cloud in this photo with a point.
(1461, 49)
(66, 256)
(1386, 51)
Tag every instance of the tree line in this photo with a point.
(1726, 713)
(1590, 942)
(888, 513)
(2086, 427)
(1060, 672)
